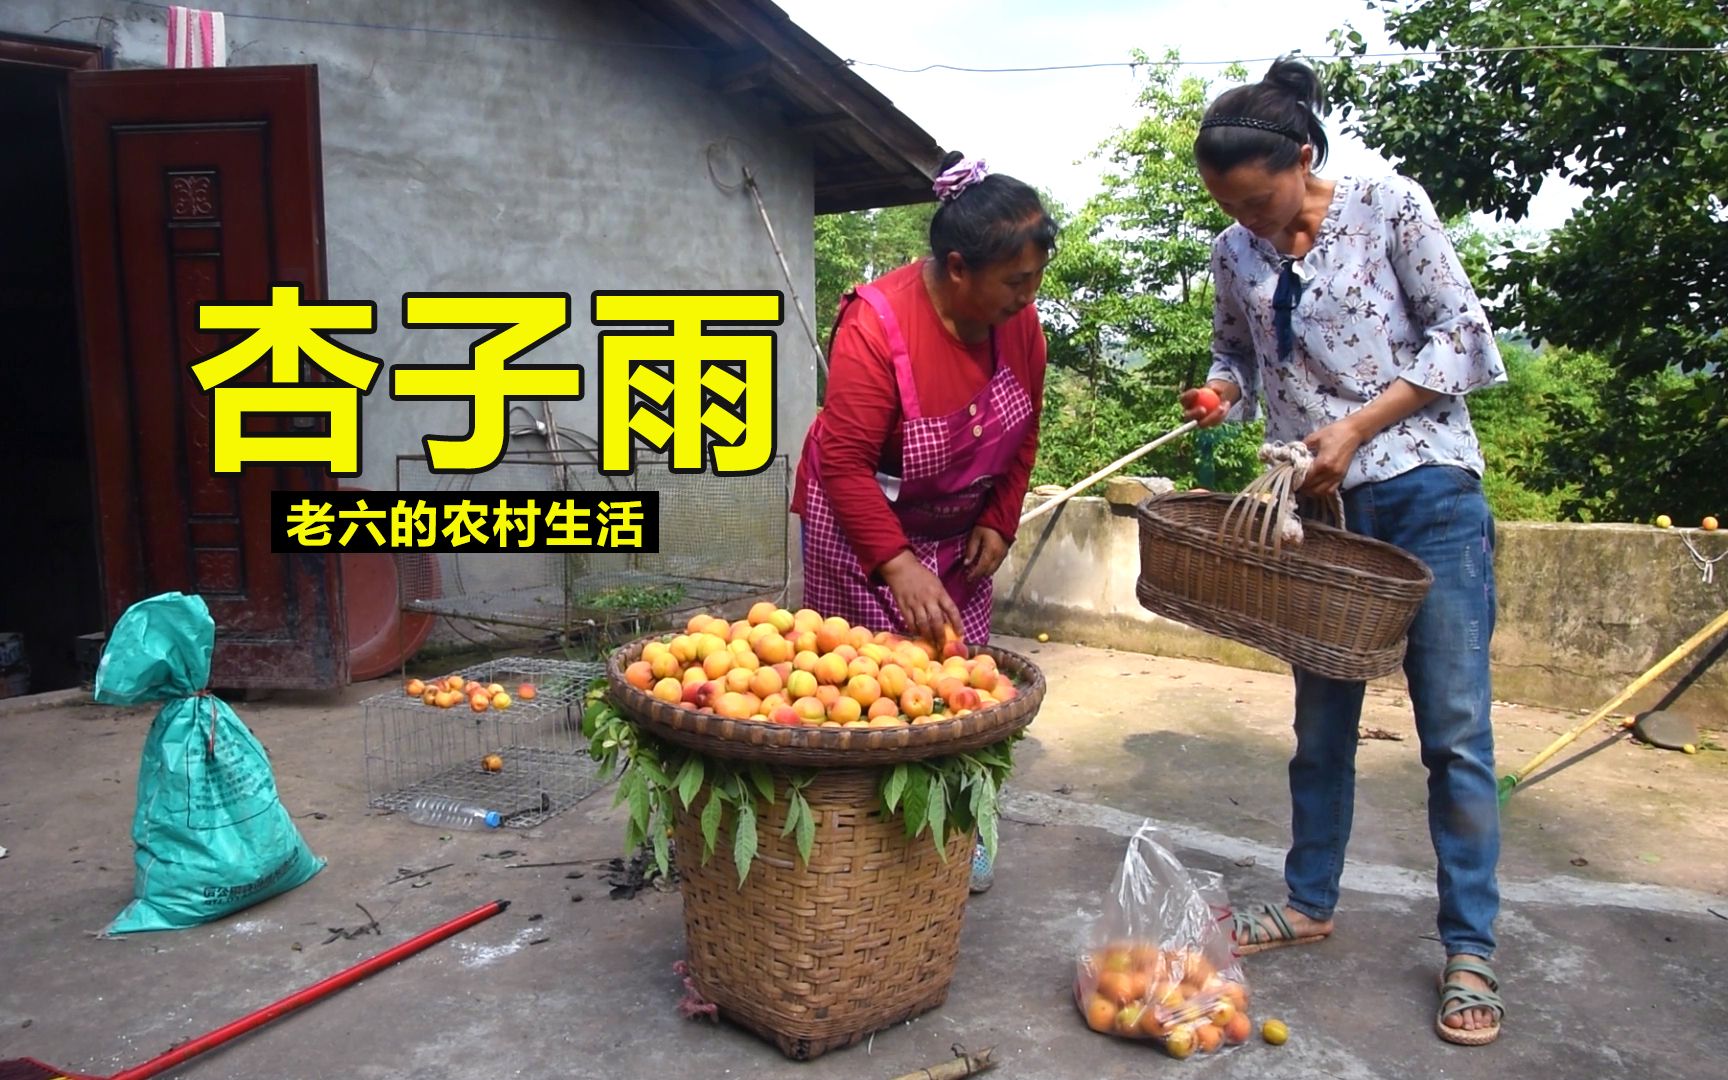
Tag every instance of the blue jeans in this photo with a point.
(1438, 514)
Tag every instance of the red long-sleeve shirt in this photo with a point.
(861, 418)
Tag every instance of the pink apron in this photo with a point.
(949, 466)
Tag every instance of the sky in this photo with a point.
(1041, 126)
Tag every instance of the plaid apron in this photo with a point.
(949, 466)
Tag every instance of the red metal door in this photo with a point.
(189, 186)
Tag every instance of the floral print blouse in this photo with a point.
(1384, 296)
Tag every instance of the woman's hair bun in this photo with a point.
(1299, 81)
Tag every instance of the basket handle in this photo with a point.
(1326, 511)
(1258, 513)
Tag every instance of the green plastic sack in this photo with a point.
(210, 835)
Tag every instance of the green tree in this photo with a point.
(1156, 217)
(1086, 303)
(1085, 429)
(1513, 421)
(1517, 428)
(1639, 274)
(1127, 301)
(860, 245)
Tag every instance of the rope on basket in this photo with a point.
(693, 1003)
(1273, 492)
(1706, 563)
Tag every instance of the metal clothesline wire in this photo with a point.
(1408, 54)
(564, 39)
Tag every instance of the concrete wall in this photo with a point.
(515, 146)
(525, 146)
(1584, 609)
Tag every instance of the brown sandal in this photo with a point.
(1250, 933)
(1456, 998)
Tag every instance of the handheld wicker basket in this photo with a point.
(1336, 603)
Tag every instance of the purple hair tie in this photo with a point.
(955, 179)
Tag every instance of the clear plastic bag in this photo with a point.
(1158, 963)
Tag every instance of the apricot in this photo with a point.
(1209, 1036)
(831, 670)
(883, 708)
(1100, 1013)
(845, 710)
(765, 681)
(864, 690)
(669, 690)
(916, 701)
(1236, 1032)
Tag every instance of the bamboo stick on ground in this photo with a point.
(1511, 780)
(964, 1064)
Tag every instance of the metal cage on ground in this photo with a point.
(723, 539)
(542, 769)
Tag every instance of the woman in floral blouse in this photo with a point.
(1344, 306)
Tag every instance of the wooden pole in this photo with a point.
(1121, 462)
(815, 343)
(1511, 780)
(964, 1064)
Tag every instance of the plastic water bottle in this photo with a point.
(447, 813)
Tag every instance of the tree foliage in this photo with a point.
(857, 247)
(1639, 274)
(1618, 407)
(1131, 287)
(1127, 302)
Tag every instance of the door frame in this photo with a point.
(278, 105)
(57, 56)
(32, 51)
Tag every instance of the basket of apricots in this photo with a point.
(800, 688)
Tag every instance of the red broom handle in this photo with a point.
(255, 1020)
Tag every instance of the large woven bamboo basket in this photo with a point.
(817, 957)
(1336, 604)
(781, 744)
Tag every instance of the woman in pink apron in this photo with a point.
(914, 473)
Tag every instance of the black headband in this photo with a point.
(1256, 123)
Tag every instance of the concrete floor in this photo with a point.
(1612, 959)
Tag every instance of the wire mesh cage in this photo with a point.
(723, 539)
(527, 761)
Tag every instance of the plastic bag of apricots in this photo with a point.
(1158, 964)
